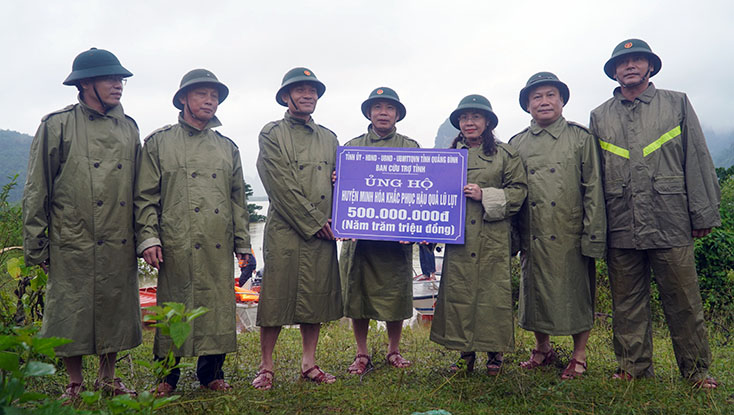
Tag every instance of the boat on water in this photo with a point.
(247, 298)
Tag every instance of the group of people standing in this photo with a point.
(635, 188)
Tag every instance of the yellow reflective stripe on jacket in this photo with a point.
(621, 152)
(675, 132)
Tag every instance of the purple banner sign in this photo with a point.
(400, 194)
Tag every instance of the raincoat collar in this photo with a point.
(480, 150)
(213, 123)
(297, 121)
(114, 112)
(555, 129)
(645, 97)
(373, 136)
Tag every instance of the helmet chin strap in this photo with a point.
(642, 80)
(104, 106)
(290, 98)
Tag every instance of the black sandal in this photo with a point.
(494, 363)
(466, 361)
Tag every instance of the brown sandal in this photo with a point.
(263, 380)
(622, 375)
(162, 390)
(706, 383)
(570, 371)
(114, 387)
(72, 391)
(548, 358)
(219, 385)
(360, 366)
(465, 362)
(320, 377)
(399, 361)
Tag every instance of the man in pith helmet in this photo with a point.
(191, 217)
(562, 224)
(77, 221)
(301, 275)
(661, 192)
(378, 274)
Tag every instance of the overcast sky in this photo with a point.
(432, 53)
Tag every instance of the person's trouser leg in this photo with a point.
(427, 259)
(209, 368)
(629, 280)
(174, 376)
(675, 273)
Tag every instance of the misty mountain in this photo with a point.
(445, 135)
(14, 148)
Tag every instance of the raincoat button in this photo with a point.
(96, 165)
(216, 210)
(535, 237)
(593, 237)
(122, 203)
(300, 167)
(196, 209)
(553, 237)
(91, 118)
(124, 241)
(193, 175)
(473, 221)
(191, 134)
(100, 242)
(319, 167)
(197, 246)
(323, 197)
(214, 175)
(553, 170)
(219, 246)
(119, 165)
(473, 254)
(100, 203)
(553, 203)
(532, 171)
(532, 203)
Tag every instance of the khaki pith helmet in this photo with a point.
(477, 103)
(296, 75)
(387, 94)
(542, 78)
(95, 62)
(200, 77)
(632, 46)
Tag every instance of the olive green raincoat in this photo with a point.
(474, 307)
(659, 184)
(78, 214)
(659, 180)
(377, 276)
(301, 274)
(562, 227)
(190, 200)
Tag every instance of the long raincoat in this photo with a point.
(190, 200)
(659, 179)
(78, 214)
(474, 307)
(562, 227)
(301, 274)
(377, 276)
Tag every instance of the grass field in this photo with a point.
(428, 385)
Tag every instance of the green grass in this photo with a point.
(428, 385)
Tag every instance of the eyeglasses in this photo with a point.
(113, 79)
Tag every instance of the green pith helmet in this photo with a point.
(385, 93)
(632, 46)
(95, 62)
(201, 77)
(296, 75)
(474, 102)
(542, 78)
